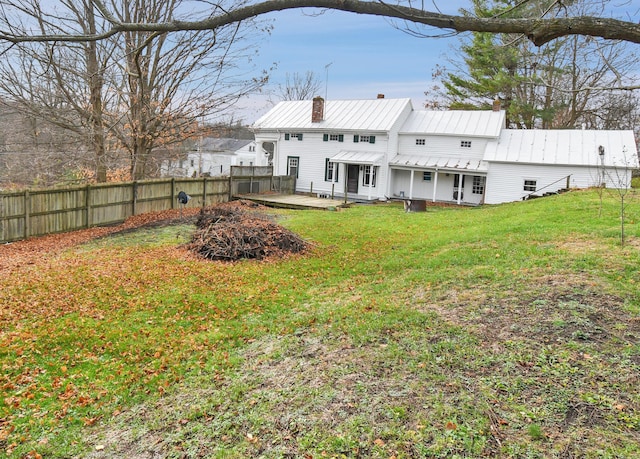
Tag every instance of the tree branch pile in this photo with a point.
(229, 232)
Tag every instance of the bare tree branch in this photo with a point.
(539, 31)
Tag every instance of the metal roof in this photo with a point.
(564, 147)
(357, 157)
(431, 162)
(347, 115)
(466, 123)
(222, 144)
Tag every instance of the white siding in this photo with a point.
(313, 152)
(441, 146)
(505, 182)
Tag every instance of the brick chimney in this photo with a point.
(496, 105)
(380, 96)
(317, 110)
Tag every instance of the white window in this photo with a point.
(364, 138)
(330, 171)
(334, 137)
(478, 184)
(530, 185)
(369, 179)
(293, 163)
(426, 176)
(465, 143)
(421, 141)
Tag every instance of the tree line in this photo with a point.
(126, 79)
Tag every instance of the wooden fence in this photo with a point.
(39, 212)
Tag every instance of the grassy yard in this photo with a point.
(497, 331)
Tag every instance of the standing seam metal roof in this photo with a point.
(469, 123)
(564, 147)
(348, 115)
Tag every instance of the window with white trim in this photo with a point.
(292, 136)
(478, 184)
(293, 163)
(330, 171)
(421, 141)
(530, 185)
(364, 138)
(465, 143)
(369, 179)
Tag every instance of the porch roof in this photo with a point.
(357, 157)
(431, 162)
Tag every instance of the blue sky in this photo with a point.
(367, 56)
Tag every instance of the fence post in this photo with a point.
(135, 197)
(88, 206)
(173, 193)
(27, 209)
(204, 192)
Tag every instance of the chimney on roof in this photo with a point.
(317, 110)
(496, 104)
(380, 96)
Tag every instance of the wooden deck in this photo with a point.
(294, 201)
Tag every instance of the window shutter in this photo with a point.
(286, 137)
(325, 137)
(336, 168)
(340, 138)
(372, 139)
(356, 138)
(326, 169)
(299, 136)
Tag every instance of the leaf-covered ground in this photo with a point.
(36, 250)
(507, 331)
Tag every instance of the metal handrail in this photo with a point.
(524, 198)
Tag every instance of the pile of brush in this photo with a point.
(230, 232)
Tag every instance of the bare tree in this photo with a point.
(558, 85)
(299, 87)
(135, 91)
(538, 30)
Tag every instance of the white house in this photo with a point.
(213, 157)
(383, 148)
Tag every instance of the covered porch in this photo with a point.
(360, 172)
(452, 180)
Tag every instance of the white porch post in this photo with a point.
(460, 177)
(435, 185)
(344, 178)
(411, 185)
(370, 181)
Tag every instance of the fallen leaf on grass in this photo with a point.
(379, 442)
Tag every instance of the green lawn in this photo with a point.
(496, 331)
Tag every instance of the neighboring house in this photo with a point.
(383, 148)
(212, 157)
